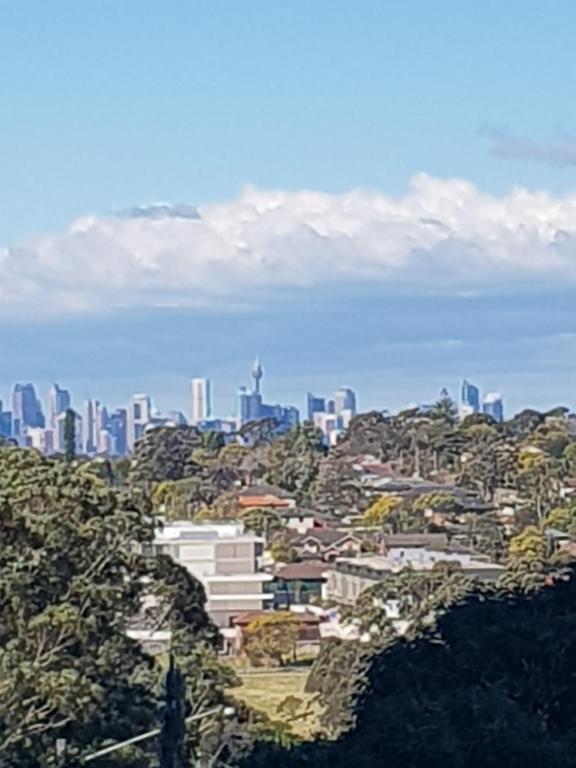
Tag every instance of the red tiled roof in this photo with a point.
(262, 501)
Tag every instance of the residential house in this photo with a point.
(327, 544)
(265, 497)
(351, 576)
(299, 583)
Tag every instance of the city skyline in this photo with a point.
(105, 430)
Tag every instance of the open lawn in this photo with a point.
(266, 690)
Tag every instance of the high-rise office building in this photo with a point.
(345, 400)
(249, 406)
(117, 427)
(493, 405)
(315, 405)
(470, 396)
(60, 401)
(201, 400)
(139, 416)
(242, 405)
(95, 424)
(91, 408)
(26, 409)
(5, 423)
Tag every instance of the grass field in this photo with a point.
(265, 691)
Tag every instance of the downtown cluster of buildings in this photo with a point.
(471, 402)
(330, 415)
(114, 432)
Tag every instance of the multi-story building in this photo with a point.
(117, 429)
(469, 397)
(93, 423)
(314, 405)
(249, 406)
(26, 409)
(335, 415)
(40, 439)
(352, 576)
(225, 559)
(493, 405)
(5, 421)
(201, 400)
(139, 416)
(60, 401)
(345, 400)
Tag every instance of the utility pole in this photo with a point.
(172, 739)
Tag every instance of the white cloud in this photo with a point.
(443, 235)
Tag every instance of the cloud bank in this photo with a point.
(443, 235)
(558, 154)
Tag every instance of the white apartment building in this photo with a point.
(138, 416)
(41, 439)
(225, 559)
(201, 400)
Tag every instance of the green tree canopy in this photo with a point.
(72, 580)
(272, 638)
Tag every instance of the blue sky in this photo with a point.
(106, 105)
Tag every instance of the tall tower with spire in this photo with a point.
(257, 374)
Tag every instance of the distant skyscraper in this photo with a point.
(117, 427)
(26, 409)
(345, 400)
(315, 405)
(139, 415)
(60, 401)
(91, 426)
(242, 405)
(5, 423)
(201, 400)
(249, 406)
(494, 406)
(470, 396)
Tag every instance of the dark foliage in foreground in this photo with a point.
(492, 685)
